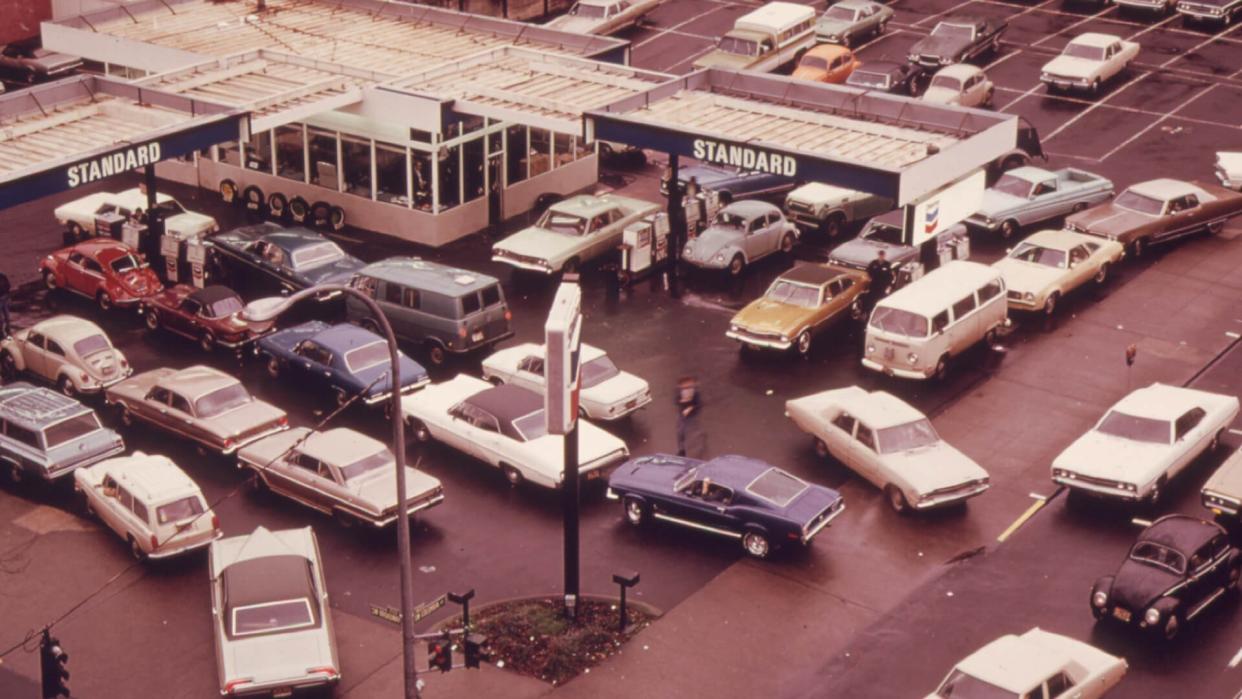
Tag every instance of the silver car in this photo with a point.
(741, 233)
(270, 614)
(850, 20)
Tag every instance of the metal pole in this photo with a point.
(569, 495)
(621, 624)
(676, 224)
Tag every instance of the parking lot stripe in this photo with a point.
(1157, 25)
(1022, 519)
(1094, 106)
(1215, 37)
(1154, 124)
(1075, 25)
(1237, 659)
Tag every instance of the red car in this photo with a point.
(102, 269)
(211, 315)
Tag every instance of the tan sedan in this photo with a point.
(1046, 266)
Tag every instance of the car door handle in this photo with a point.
(306, 364)
(327, 374)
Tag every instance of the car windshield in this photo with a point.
(728, 219)
(316, 255)
(947, 82)
(221, 400)
(841, 13)
(813, 62)
(959, 685)
(1139, 429)
(1013, 186)
(783, 291)
(953, 31)
(1139, 203)
(1037, 254)
(90, 345)
(777, 487)
(558, 222)
(687, 477)
(591, 11)
(866, 78)
(1091, 53)
(378, 460)
(895, 320)
(597, 371)
(170, 208)
(367, 356)
(125, 263)
(179, 510)
(740, 47)
(1158, 555)
(884, 233)
(70, 429)
(531, 426)
(268, 617)
(908, 437)
(224, 307)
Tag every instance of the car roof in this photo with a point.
(211, 294)
(343, 337)
(1165, 188)
(428, 275)
(776, 14)
(340, 446)
(940, 287)
(959, 70)
(733, 471)
(1180, 532)
(193, 382)
(962, 19)
(750, 208)
(152, 478)
(585, 205)
(267, 579)
(1013, 663)
(1095, 39)
(1160, 401)
(36, 406)
(97, 246)
(877, 409)
(853, 4)
(67, 328)
(1060, 239)
(507, 402)
(817, 274)
(828, 51)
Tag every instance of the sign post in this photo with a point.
(562, 339)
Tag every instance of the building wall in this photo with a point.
(22, 18)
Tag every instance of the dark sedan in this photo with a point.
(344, 359)
(888, 76)
(211, 316)
(276, 258)
(730, 184)
(735, 496)
(957, 40)
(1176, 569)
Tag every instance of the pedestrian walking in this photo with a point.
(4, 305)
(691, 439)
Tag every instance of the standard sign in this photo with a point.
(744, 157)
(113, 164)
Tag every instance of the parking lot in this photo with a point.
(1010, 409)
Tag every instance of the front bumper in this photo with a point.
(803, 219)
(896, 371)
(281, 688)
(759, 341)
(1064, 82)
(950, 498)
(1221, 504)
(1100, 490)
(542, 266)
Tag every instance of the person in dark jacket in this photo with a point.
(881, 272)
(691, 440)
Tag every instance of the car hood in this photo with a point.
(832, 26)
(1108, 220)
(650, 474)
(1071, 67)
(859, 252)
(949, 46)
(935, 467)
(190, 223)
(1104, 456)
(766, 315)
(277, 657)
(722, 59)
(997, 203)
(1137, 585)
(941, 95)
(710, 242)
(1230, 162)
(619, 387)
(705, 176)
(337, 272)
(1027, 276)
(379, 488)
(539, 243)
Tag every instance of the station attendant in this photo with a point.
(881, 272)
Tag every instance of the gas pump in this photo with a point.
(700, 210)
(644, 245)
(170, 250)
(196, 255)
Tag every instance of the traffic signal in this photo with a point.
(440, 654)
(52, 659)
(474, 649)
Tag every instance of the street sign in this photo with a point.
(427, 608)
(562, 339)
(391, 614)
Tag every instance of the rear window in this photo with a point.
(776, 487)
(90, 345)
(21, 434)
(491, 296)
(470, 304)
(271, 617)
(221, 400)
(179, 510)
(68, 430)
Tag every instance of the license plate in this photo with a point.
(592, 475)
(281, 693)
(632, 403)
(1122, 614)
(889, 353)
(477, 336)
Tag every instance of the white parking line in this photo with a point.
(1154, 124)
(1157, 25)
(1077, 24)
(1215, 37)
(1128, 110)
(1094, 106)
(1237, 659)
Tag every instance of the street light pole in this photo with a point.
(267, 309)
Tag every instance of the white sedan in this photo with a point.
(602, 16)
(606, 392)
(891, 444)
(505, 427)
(1036, 664)
(1088, 61)
(70, 352)
(1046, 266)
(1144, 440)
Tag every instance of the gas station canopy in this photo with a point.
(887, 145)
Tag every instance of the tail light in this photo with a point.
(124, 363)
(329, 671)
(793, 536)
(215, 521)
(83, 375)
(508, 314)
(228, 442)
(461, 332)
(234, 684)
(155, 542)
(284, 420)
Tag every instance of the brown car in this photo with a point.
(199, 403)
(1157, 211)
(803, 301)
(211, 316)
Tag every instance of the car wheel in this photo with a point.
(756, 544)
(1215, 227)
(635, 511)
(942, 368)
(152, 319)
(787, 243)
(207, 342)
(1215, 443)
(104, 301)
(67, 387)
(8, 367)
(336, 218)
(833, 225)
(16, 476)
(273, 367)
(277, 206)
(1050, 304)
(512, 475)
(896, 499)
(1172, 625)
(803, 343)
(847, 41)
(856, 310)
(49, 280)
(1008, 229)
(418, 431)
(821, 448)
(75, 231)
(436, 354)
(135, 550)
(1101, 275)
(736, 265)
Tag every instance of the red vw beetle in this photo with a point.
(102, 269)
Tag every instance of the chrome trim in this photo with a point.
(807, 536)
(1100, 489)
(746, 338)
(696, 525)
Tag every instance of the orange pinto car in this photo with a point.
(827, 63)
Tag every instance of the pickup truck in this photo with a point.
(957, 39)
(829, 209)
(1028, 195)
(884, 233)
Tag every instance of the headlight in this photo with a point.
(1029, 296)
(870, 349)
(1152, 617)
(913, 57)
(719, 257)
(912, 358)
(833, 37)
(1131, 487)
(1099, 599)
(784, 338)
(735, 328)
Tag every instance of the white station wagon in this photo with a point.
(1036, 664)
(1148, 437)
(891, 444)
(70, 352)
(150, 502)
(81, 216)
(605, 393)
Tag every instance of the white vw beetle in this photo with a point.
(70, 352)
(891, 444)
(961, 84)
(1036, 664)
(150, 502)
(606, 392)
(505, 426)
(1144, 440)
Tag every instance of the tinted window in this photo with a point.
(158, 395)
(67, 430)
(989, 291)
(844, 422)
(777, 487)
(964, 306)
(392, 293)
(470, 304)
(1189, 421)
(35, 339)
(91, 266)
(126, 499)
(865, 437)
(1058, 685)
(21, 434)
(491, 296)
(183, 509)
(941, 321)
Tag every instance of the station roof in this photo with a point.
(869, 141)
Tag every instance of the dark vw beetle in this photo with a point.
(735, 496)
(1176, 569)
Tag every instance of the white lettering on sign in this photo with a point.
(745, 157)
(113, 164)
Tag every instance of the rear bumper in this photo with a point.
(178, 550)
(808, 536)
(416, 506)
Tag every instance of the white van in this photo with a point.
(914, 332)
(765, 39)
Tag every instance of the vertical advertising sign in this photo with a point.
(945, 207)
(562, 338)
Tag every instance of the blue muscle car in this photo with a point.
(344, 358)
(288, 259)
(760, 505)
